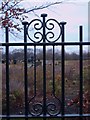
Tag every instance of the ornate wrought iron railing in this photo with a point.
(43, 35)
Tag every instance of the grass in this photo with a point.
(16, 75)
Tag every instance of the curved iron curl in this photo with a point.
(51, 28)
(36, 109)
(54, 95)
(52, 109)
(37, 26)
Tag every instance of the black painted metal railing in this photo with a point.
(44, 36)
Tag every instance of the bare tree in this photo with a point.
(12, 13)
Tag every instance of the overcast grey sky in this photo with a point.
(74, 12)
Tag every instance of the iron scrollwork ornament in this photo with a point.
(35, 26)
(48, 31)
(36, 109)
(53, 30)
(53, 106)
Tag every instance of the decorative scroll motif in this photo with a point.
(36, 26)
(36, 109)
(53, 30)
(53, 107)
(48, 31)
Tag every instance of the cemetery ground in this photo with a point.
(72, 77)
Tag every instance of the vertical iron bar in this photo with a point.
(7, 74)
(63, 67)
(25, 71)
(53, 71)
(44, 66)
(81, 72)
(34, 71)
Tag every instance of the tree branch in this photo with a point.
(41, 7)
(12, 6)
(12, 11)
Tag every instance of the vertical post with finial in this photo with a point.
(44, 65)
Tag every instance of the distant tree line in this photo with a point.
(18, 54)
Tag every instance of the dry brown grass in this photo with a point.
(16, 75)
